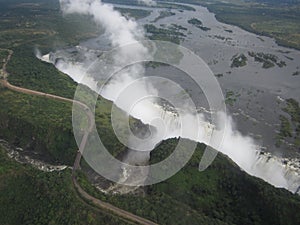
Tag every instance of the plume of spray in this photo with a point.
(122, 31)
(37, 53)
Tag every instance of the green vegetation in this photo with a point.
(44, 125)
(220, 37)
(269, 20)
(158, 5)
(23, 27)
(229, 31)
(285, 130)
(171, 34)
(239, 61)
(290, 126)
(163, 14)
(28, 196)
(267, 60)
(286, 31)
(179, 27)
(175, 6)
(195, 22)
(219, 75)
(277, 19)
(134, 13)
(29, 72)
(42, 25)
(3, 57)
(35, 123)
(222, 194)
(296, 73)
(231, 97)
(39, 124)
(293, 109)
(198, 23)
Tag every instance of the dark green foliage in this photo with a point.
(222, 194)
(278, 19)
(293, 109)
(239, 61)
(45, 125)
(225, 192)
(38, 124)
(267, 60)
(170, 34)
(179, 27)
(42, 24)
(231, 97)
(3, 57)
(290, 126)
(163, 14)
(25, 70)
(195, 22)
(28, 196)
(285, 130)
(160, 4)
(229, 31)
(219, 75)
(198, 23)
(134, 13)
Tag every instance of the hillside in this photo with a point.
(222, 194)
(34, 197)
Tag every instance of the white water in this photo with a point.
(241, 149)
(20, 156)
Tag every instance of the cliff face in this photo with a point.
(225, 192)
(290, 168)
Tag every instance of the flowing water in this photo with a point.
(260, 93)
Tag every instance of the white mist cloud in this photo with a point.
(121, 31)
(244, 151)
(37, 53)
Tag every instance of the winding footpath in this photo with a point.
(83, 194)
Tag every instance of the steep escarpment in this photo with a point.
(222, 194)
